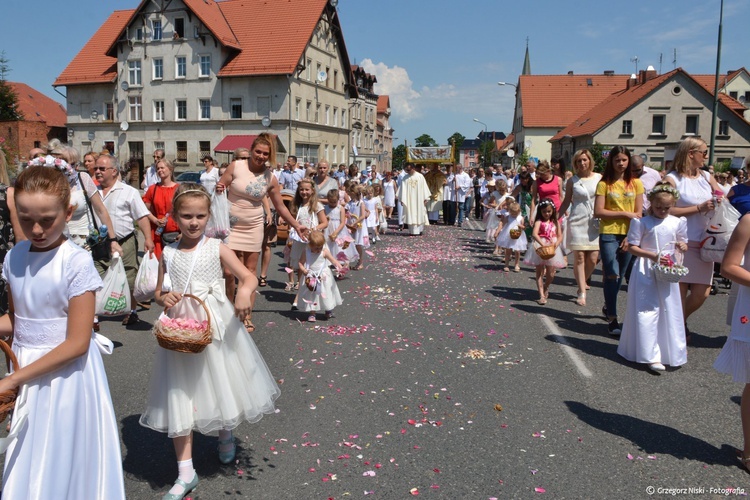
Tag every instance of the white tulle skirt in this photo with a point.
(217, 389)
(325, 298)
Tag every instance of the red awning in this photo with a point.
(231, 142)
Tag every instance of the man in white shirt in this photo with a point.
(126, 209)
(463, 186)
(648, 176)
(289, 178)
(149, 176)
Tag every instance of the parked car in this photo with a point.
(189, 177)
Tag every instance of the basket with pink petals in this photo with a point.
(189, 335)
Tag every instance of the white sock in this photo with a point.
(185, 472)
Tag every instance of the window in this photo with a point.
(733, 95)
(306, 152)
(335, 78)
(264, 106)
(333, 158)
(139, 34)
(296, 108)
(205, 107)
(180, 65)
(204, 147)
(181, 109)
(205, 66)
(134, 73)
(325, 152)
(328, 75)
(307, 110)
(235, 108)
(471, 153)
(691, 124)
(110, 146)
(343, 118)
(335, 116)
(158, 64)
(136, 109)
(328, 114)
(723, 127)
(317, 113)
(747, 97)
(308, 69)
(156, 32)
(158, 144)
(179, 28)
(627, 127)
(109, 111)
(658, 124)
(158, 111)
(181, 151)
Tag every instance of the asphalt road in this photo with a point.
(441, 377)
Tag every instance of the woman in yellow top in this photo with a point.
(618, 200)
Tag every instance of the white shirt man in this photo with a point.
(149, 176)
(290, 178)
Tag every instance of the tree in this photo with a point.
(485, 150)
(8, 98)
(597, 152)
(424, 141)
(522, 157)
(456, 140)
(399, 157)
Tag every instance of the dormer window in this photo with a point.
(138, 34)
(179, 28)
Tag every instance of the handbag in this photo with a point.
(100, 250)
(169, 238)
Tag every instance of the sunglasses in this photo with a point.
(704, 153)
(102, 169)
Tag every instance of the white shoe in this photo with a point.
(657, 367)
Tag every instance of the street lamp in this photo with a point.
(502, 84)
(484, 138)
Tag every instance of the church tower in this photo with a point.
(526, 63)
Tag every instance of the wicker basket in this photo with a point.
(8, 398)
(546, 252)
(312, 282)
(515, 233)
(192, 342)
(673, 273)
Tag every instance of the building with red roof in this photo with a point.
(184, 74)
(384, 134)
(43, 120)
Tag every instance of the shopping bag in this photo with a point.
(719, 230)
(145, 281)
(114, 297)
(218, 222)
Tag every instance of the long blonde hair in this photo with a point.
(681, 162)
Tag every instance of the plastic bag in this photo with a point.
(145, 281)
(218, 222)
(716, 236)
(114, 298)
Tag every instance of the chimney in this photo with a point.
(650, 73)
(631, 82)
(609, 72)
(570, 73)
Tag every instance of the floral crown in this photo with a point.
(58, 163)
(546, 201)
(664, 188)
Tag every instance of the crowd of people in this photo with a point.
(65, 218)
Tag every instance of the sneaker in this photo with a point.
(614, 328)
(294, 306)
(657, 367)
(130, 319)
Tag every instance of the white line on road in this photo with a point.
(565, 346)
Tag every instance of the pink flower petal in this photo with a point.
(540, 490)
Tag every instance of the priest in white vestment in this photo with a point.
(413, 194)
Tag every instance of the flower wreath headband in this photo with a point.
(664, 188)
(546, 201)
(63, 166)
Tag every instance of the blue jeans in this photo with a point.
(463, 209)
(614, 264)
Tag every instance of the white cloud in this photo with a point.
(395, 82)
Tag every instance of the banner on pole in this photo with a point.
(430, 154)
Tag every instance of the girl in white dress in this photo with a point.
(489, 202)
(314, 266)
(228, 382)
(734, 358)
(336, 234)
(356, 214)
(371, 203)
(511, 245)
(653, 331)
(309, 213)
(67, 443)
(501, 210)
(546, 232)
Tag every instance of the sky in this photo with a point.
(439, 60)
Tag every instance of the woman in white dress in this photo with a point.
(210, 175)
(67, 443)
(389, 194)
(697, 200)
(653, 331)
(582, 234)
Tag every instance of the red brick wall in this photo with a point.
(21, 136)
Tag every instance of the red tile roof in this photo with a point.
(384, 102)
(709, 83)
(37, 107)
(273, 35)
(556, 100)
(503, 145)
(92, 64)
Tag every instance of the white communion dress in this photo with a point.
(68, 444)
(225, 384)
(734, 358)
(326, 296)
(653, 330)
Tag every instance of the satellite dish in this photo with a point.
(322, 76)
(92, 136)
(124, 126)
(334, 3)
(266, 122)
(94, 115)
(124, 85)
(510, 153)
(527, 143)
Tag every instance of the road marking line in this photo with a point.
(566, 347)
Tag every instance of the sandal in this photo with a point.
(744, 460)
(289, 286)
(296, 286)
(506, 269)
(249, 326)
(581, 300)
(517, 269)
(263, 281)
(311, 318)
